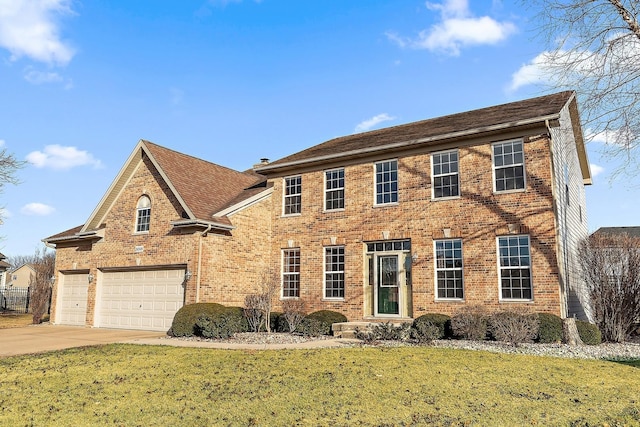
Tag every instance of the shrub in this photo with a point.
(319, 322)
(253, 313)
(276, 321)
(294, 313)
(431, 326)
(513, 326)
(222, 324)
(550, 329)
(589, 333)
(471, 323)
(385, 332)
(184, 321)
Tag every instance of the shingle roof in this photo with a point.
(431, 129)
(630, 231)
(205, 187)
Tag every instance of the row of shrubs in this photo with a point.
(211, 320)
(475, 324)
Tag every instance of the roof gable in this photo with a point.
(436, 130)
(202, 188)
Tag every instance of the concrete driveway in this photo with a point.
(40, 338)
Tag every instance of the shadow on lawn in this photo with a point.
(629, 362)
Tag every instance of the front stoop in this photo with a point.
(348, 329)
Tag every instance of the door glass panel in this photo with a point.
(388, 285)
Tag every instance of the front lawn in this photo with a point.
(15, 320)
(156, 385)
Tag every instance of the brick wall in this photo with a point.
(478, 217)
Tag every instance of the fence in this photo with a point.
(15, 300)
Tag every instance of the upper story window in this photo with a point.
(386, 182)
(143, 216)
(334, 189)
(291, 273)
(292, 195)
(444, 170)
(515, 267)
(449, 281)
(508, 166)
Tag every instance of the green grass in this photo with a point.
(129, 385)
(15, 320)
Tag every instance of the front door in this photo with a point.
(388, 285)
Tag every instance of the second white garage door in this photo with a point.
(145, 300)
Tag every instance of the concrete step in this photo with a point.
(349, 329)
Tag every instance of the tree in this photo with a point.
(258, 306)
(9, 165)
(611, 272)
(43, 262)
(594, 48)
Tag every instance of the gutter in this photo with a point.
(403, 144)
(206, 224)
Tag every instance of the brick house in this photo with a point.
(484, 207)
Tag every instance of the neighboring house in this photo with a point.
(20, 277)
(4, 266)
(616, 231)
(479, 208)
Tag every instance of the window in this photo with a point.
(508, 165)
(334, 272)
(445, 174)
(334, 189)
(292, 195)
(291, 273)
(515, 267)
(449, 269)
(143, 216)
(386, 182)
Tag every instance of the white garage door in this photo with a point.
(72, 299)
(145, 300)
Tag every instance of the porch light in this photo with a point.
(90, 277)
(187, 275)
(52, 279)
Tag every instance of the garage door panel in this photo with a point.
(140, 300)
(72, 299)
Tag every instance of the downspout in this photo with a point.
(203, 234)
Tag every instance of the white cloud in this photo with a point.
(62, 158)
(5, 213)
(596, 170)
(457, 28)
(31, 28)
(373, 121)
(38, 209)
(2, 143)
(40, 77)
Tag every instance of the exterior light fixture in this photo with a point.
(187, 275)
(90, 277)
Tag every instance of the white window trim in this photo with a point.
(516, 300)
(282, 273)
(433, 189)
(375, 183)
(524, 168)
(137, 219)
(284, 195)
(324, 273)
(435, 271)
(324, 201)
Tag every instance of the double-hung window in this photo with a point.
(449, 279)
(386, 182)
(143, 214)
(292, 195)
(334, 272)
(334, 189)
(508, 165)
(291, 273)
(515, 267)
(444, 170)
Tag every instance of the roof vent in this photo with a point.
(263, 162)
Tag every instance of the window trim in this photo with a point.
(139, 216)
(325, 272)
(494, 168)
(375, 183)
(294, 273)
(436, 269)
(500, 268)
(433, 175)
(326, 190)
(285, 196)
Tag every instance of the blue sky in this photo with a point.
(234, 81)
